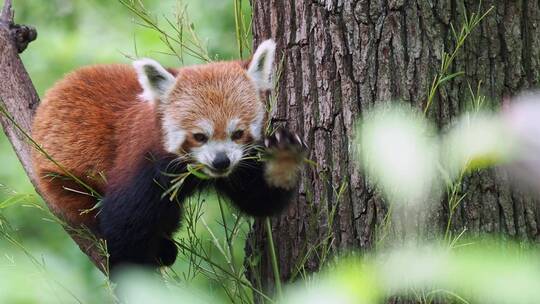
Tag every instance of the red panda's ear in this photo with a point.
(154, 79)
(260, 67)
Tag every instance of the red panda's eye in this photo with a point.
(200, 137)
(237, 134)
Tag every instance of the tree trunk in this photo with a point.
(18, 101)
(339, 58)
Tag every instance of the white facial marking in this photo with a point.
(174, 136)
(257, 125)
(206, 126)
(232, 125)
(206, 154)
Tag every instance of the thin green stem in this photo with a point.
(225, 271)
(273, 256)
(442, 76)
(238, 27)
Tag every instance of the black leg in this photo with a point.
(167, 252)
(264, 187)
(138, 222)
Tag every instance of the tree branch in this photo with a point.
(20, 100)
(7, 12)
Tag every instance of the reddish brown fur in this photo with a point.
(74, 124)
(218, 93)
(93, 122)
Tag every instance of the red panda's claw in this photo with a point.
(300, 142)
(298, 139)
(278, 136)
(286, 152)
(284, 140)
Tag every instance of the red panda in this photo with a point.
(121, 129)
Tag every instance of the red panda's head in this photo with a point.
(210, 113)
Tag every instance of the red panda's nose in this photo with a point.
(221, 161)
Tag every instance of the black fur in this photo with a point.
(247, 187)
(138, 224)
(249, 192)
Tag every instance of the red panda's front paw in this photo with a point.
(285, 154)
(167, 252)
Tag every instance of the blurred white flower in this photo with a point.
(478, 140)
(406, 268)
(348, 282)
(322, 294)
(139, 286)
(486, 272)
(397, 148)
(522, 120)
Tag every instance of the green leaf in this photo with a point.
(450, 77)
(196, 171)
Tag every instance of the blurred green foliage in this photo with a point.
(72, 34)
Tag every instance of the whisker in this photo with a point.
(180, 159)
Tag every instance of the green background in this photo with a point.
(72, 34)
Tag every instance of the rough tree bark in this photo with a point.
(340, 57)
(20, 99)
